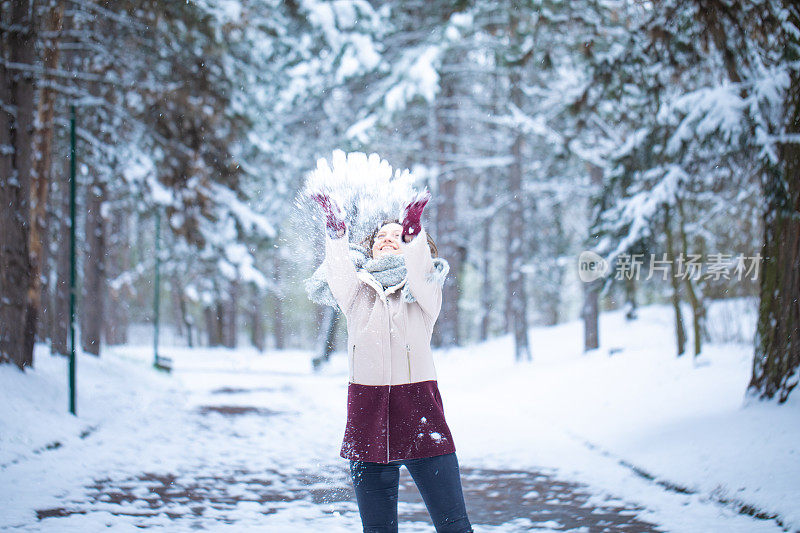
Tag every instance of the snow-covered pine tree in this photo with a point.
(664, 176)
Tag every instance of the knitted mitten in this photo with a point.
(334, 217)
(413, 213)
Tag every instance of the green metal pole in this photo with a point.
(72, 392)
(156, 362)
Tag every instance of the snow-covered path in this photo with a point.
(213, 484)
(258, 447)
(237, 441)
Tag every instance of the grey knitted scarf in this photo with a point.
(389, 270)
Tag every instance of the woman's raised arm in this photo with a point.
(419, 272)
(419, 263)
(340, 272)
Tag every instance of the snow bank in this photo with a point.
(685, 422)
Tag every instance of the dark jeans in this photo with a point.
(438, 481)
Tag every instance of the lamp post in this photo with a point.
(72, 392)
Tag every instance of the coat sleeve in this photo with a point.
(419, 266)
(340, 272)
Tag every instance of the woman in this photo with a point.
(394, 410)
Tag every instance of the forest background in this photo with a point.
(662, 130)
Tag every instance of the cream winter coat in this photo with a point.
(388, 339)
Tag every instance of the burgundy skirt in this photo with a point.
(392, 422)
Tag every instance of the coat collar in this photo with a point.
(370, 280)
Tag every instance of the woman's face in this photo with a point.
(387, 240)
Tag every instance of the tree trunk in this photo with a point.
(777, 342)
(208, 316)
(213, 315)
(60, 334)
(555, 278)
(116, 326)
(222, 317)
(61, 233)
(257, 332)
(16, 159)
(186, 318)
(94, 271)
(698, 307)
(680, 332)
(277, 304)
(489, 183)
(517, 295)
(447, 217)
(486, 281)
(326, 337)
(590, 312)
(230, 321)
(631, 305)
(516, 283)
(41, 173)
(175, 290)
(44, 329)
(212, 325)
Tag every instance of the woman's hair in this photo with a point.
(370, 240)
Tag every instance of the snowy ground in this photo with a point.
(634, 441)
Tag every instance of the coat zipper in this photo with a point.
(388, 425)
(408, 346)
(408, 358)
